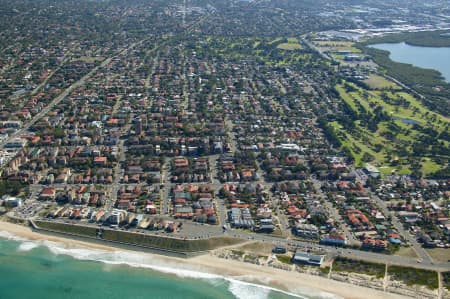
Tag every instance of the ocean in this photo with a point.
(50, 270)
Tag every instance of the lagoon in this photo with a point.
(423, 57)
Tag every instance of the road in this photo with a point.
(420, 251)
(202, 231)
(348, 253)
(217, 185)
(118, 174)
(333, 212)
(314, 48)
(165, 191)
(282, 218)
(194, 231)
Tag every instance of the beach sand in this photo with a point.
(280, 279)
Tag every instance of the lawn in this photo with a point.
(330, 44)
(358, 146)
(429, 166)
(257, 248)
(406, 252)
(379, 82)
(285, 259)
(289, 46)
(440, 254)
(401, 169)
(336, 46)
(275, 40)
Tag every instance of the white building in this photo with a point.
(11, 201)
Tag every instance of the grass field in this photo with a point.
(257, 248)
(285, 259)
(406, 252)
(401, 169)
(336, 46)
(289, 46)
(379, 82)
(439, 254)
(292, 44)
(275, 40)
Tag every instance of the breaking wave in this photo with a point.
(239, 288)
(248, 291)
(9, 236)
(27, 246)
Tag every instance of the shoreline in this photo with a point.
(296, 283)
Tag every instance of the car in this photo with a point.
(279, 249)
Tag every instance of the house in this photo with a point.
(288, 147)
(183, 212)
(181, 162)
(100, 160)
(309, 231)
(266, 225)
(117, 217)
(241, 218)
(372, 170)
(334, 240)
(16, 143)
(409, 217)
(374, 244)
(150, 208)
(47, 193)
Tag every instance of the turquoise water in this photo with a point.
(424, 57)
(49, 270)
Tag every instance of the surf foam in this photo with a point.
(27, 246)
(9, 236)
(244, 290)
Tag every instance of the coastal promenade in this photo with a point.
(280, 241)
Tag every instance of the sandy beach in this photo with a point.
(280, 279)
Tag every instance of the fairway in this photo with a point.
(387, 129)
